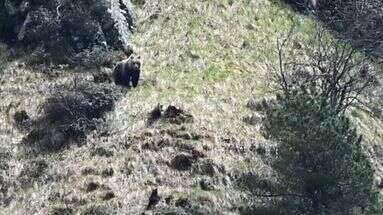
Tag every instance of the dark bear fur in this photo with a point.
(127, 72)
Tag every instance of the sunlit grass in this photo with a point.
(208, 56)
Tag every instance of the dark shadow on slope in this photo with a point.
(360, 22)
(69, 114)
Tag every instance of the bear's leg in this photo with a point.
(118, 76)
(135, 78)
(126, 78)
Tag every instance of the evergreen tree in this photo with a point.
(320, 159)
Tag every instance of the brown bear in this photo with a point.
(127, 72)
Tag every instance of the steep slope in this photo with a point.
(209, 58)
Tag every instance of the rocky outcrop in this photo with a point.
(361, 22)
(67, 30)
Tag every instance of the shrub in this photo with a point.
(69, 115)
(320, 166)
(97, 56)
(320, 158)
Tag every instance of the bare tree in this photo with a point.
(338, 73)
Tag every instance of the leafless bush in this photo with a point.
(339, 74)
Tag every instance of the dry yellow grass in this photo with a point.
(208, 57)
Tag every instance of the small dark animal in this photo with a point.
(155, 115)
(127, 72)
(153, 199)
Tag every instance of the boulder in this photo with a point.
(182, 162)
(63, 29)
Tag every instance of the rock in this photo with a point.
(253, 119)
(62, 29)
(208, 167)
(206, 185)
(245, 44)
(96, 209)
(108, 172)
(250, 27)
(21, 118)
(89, 171)
(261, 150)
(172, 114)
(182, 162)
(262, 105)
(154, 199)
(139, 2)
(186, 136)
(379, 182)
(150, 146)
(92, 186)
(183, 202)
(108, 195)
(198, 154)
(75, 199)
(169, 199)
(177, 116)
(62, 211)
(102, 152)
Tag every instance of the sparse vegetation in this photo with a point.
(320, 158)
(69, 115)
(202, 61)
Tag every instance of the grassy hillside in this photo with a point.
(208, 57)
